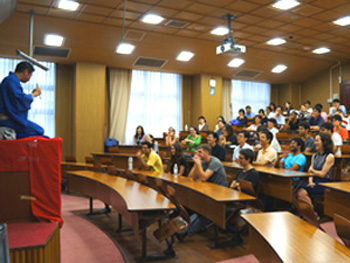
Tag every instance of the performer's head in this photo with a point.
(24, 71)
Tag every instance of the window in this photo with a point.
(255, 94)
(155, 103)
(42, 109)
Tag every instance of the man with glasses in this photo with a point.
(150, 160)
(242, 139)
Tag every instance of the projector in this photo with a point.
(230, 48)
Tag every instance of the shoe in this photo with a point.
(105, 210)
(180, 236)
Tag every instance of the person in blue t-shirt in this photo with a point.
(295, 160)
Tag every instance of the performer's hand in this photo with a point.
(36, 92)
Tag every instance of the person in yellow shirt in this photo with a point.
(150, 160)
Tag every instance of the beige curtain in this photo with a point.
(119, 91)
(226, 99)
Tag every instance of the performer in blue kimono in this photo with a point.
(15, 104)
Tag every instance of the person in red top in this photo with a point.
(337, 121)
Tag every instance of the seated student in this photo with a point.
(267, 156)
(154, 143)
(150, 160)
(242, 139)
(308, 106)
(245, 159)
(248, 113)
(177, 158)
(202, 124)
(288, 107)
(336, 106)
(139, 136)
(323, 114)
(221, 124)
(219, 118)
(303, 113)
(316, 120)
(227, 138)
(337, 122)
(293, 122)
(171, 138)
(206, 168)
(241, 117)
(216, 150)
(273, 110)
(336, 138)
(263, 117)
(321, 166)
(295, 161)
(309, 141)
(192, 140)
(271, 125)
(281, 122)
(256, 124)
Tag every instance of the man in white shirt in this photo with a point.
(336, 106)
(242, 139)
(281, 122)
(327, 127)
(271, 125)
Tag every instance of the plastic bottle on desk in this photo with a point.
(176, 170)
(130, 163)
(186, 127)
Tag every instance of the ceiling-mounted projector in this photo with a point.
(229, 47)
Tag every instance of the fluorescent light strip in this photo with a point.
(236, 62)
(276, 41)
(125, 48)
(279, 68)
(53, 40)
(68, 5)
(285, 4)
(321, 50)
(185, 56)
(220, 31)
(344, 21)
(152, 19)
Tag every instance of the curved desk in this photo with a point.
(284, 237)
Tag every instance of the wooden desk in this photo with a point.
(337, 199)
(283, 237)
(119, 160)
(275, 182)
(207, 199)
(164, 151)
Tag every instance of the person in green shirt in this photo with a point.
(193, 140)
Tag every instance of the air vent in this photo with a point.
(150, 62)
(247, 73)
(51, 52)
(176, 23)
(134, 35)
(291, 44)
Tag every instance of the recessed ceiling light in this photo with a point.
(344, 21)
(220, 31)
(125, 48)
(279, 68)
(68, 5)
(285, 4)
(152, 19)
(53, 40)
(276, 41)
(321, 50)
(236, 62)
(185, 56)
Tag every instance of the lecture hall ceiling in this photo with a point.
(94, 30)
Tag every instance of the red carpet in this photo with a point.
(81, 241)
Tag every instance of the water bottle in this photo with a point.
(130, 163)
(186, 127)
(176, 170)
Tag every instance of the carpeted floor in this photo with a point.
(81, 241)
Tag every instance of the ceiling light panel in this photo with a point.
(53, 40)
(279, 68)
(285, 4)
(152, 19)
(236, 62)
(68, 5)
(321, 50)
(276, 41)
(125, 48)
(220, 31)
(344, 21)
(185, 56)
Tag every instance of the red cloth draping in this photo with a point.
(42, 158)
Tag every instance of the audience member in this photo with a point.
(263, 116)
(150, 138)
(202, 124)
(139, 136)
(221, 124)
(316, 120)
(337, 122)
(336, 106)
(256, 124)
(293, 122)
(245, 159)
(327, 127)
(242, 139)
(323, 114)
(177, 158)
(171, 138)
(192, 140)
(295, 160)
(271, 125)
(248, 113)
(150, 160)
(303, 113)
(309, 141)
(216, 150)
(279, 117)
(219, 118)
(227, 138)
(241, 117)
(288, 107)
(308, 106)
(267, 156)
(271, 108)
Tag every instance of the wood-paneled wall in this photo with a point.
(90, 86)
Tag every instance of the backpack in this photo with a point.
(110, 142)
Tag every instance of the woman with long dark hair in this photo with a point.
(322, 163)
(177, 158)
(139, 136)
